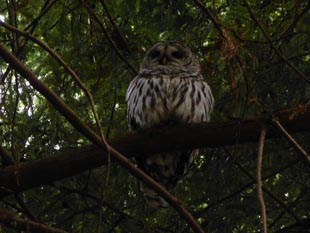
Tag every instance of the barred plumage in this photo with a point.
(168, 88)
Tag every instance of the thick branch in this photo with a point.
(43, 171)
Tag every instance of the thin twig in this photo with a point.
(9, 220)
(210, 16)
(295, 21)
(64, 65)
(75, 77)
(20, 200)
(259, 176)
(104, 5)
(289, 137)
(290, 205)
(81, 127)
(269, 193)
(45, 8)
(233, 46)
(277, 51)
(106, 33)
(244, 187)
(31, 26)
(77, 80)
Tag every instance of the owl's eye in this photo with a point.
(154, 54)
(177, 54)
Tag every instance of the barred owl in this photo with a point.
(169, 88)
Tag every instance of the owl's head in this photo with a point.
(170, 55)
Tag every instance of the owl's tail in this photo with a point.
(168, 169)
(152, 198)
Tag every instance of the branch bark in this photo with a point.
(259, 176)
(154, 140)
(293, 142)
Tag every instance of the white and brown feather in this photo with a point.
(160, 93)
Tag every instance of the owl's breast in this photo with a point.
(157, 99)
(149, 101)
(158, 107)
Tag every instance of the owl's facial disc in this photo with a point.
(170, 56)
(167, 54)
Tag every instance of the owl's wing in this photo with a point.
(147, 101)
(133, 98)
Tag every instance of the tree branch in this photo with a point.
(267, 191)
(153, 140)
(210, 16)
(119, 34)
(293, 142)
(106, 33)
(259, 176)
(73, 75)
(9, 220)
(79, 125)
(277, 51)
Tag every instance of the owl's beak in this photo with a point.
(163, 61)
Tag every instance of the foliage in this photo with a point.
(247, 76)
